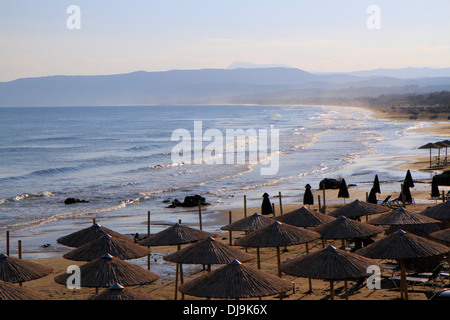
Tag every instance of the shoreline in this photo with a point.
(165, 286)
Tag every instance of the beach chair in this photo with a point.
(435, 278)
(385, 201)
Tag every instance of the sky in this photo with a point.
(157, 35)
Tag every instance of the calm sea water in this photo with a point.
(119, 159)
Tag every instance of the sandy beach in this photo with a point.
(165, 286)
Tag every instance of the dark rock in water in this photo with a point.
(329, 183)
(74, 200)
(47, 245)
(189, 201)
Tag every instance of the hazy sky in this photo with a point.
(157, 35)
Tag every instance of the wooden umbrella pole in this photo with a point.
(19, 248)
(7, 243)
(273, 209)
(148, 235)
(176, 283)
(245, 206)
(346, 289)
(309, 279)
(403, 285)
(230, 232)
(324, 202)
(318, 201)
(331, 290)
(258, 258)
(281, 205)
(200, 214)
(279, 261)
(181, 279)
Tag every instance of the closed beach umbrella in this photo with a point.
(266, 206)
(400, 246)
(329, 264)
(401, 218)
(308, 197)
(343, 190)
(250, 223)
(277, 235)
(304, 218)
(409, 182)
(117, 247)
(207, 252)
(9, 291)
(406, 193)
(234, 281)
(17, 270)
(372, 197)
(119, 292)
(376, 185)
(107, 271)
(435, 193)
(81, 237)
(356, 209)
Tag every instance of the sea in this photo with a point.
(124, 161)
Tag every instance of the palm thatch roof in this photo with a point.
(208, 251)
(439, 212)
(250, 223)
(81, 237)
(176, 234)
(402, 217)
(402, 245)
(117, 247)
(118, 292)
(304, 218)
(357, 209)
(236, 280)
(329, 264)
(443, 235)
(277, 234)
(344, 228)
(17, 270)
(9, 291)
(108, 270)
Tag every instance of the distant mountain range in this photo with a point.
(239, 83)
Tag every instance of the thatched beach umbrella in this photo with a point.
(208, 252)
(444, 236)
(250, 223)
(266, 206)
(234, 281)
(401, 218)
(356, 209)
(439, 212)
(346, 229)
(17, 270)
(117, 247)
(329, 264)
(108, 270)
(430, 146)
(343, 190)
(119, 292)
(81, 237)
(9, 291)
(308, 197)
(304, 218)
(277, 235)
(401, 246)
(177, 235)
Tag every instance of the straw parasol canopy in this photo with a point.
(208, 251)
(409, 221)
(442, 235)
(117, 247)
(174, 235)
(357, 209)
(304, 218)
(430, 146)
(276, 235)
(344, 228)
(250, 223)
(17, 270)
(329, 264)
(119, 292)
(81, 237)
(236, 280)
(9, 291)
(401, 246)
(439, 212)
(108, 270)
(266, 206)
